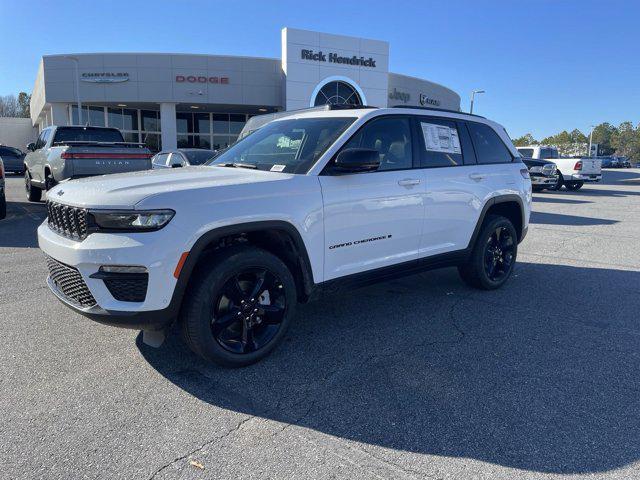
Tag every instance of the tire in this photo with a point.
(49, 182)
(560, 182)
(34, 194)
(222, 321)
(477, 272)
(574, 186)
(537, 189)
(3, 206)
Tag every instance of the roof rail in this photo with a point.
(437, 110)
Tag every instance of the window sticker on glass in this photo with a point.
(278, 168)
(440, 138)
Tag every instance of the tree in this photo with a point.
(602, 135)
(525, 140)
(23, 101)
(10, 106)
(626, 141)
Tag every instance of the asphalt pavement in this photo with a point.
(421, 377)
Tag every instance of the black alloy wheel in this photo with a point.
(238, 306)
(499, 254)
(248, 311)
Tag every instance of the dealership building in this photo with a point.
(183, 100)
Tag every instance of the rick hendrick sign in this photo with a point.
(335, 58)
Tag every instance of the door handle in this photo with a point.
(409, 182)
(477, 176)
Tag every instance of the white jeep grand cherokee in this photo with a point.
(306, 204)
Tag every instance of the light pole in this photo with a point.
(590, 139)
(473, 94)
(77, 82)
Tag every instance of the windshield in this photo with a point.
(290, 146)
(87, 134)
(198, 157)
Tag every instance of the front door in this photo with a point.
(374, 219)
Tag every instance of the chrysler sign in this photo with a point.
(335, 58)
(104, 77)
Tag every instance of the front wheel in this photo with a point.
(34, 194)
(493, 256)
(238, 306)
(574, 186)
(559, 182)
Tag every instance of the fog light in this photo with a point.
(122, 269)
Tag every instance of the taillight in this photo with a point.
(525, 173)
(1, 170)
(106, 155)
(578, 166)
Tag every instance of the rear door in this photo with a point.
(374, 219)
(455, 185)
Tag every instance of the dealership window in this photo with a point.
(208, 130)
(337, 93)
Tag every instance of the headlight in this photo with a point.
(549, 169)
(535, 169)
(131, 220)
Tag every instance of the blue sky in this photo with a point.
(545, 65)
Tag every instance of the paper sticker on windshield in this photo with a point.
(440, 138)
(278, 168)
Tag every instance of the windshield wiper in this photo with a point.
(239, 165)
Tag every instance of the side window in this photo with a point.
(440, 143)
(41, 140)
(161, 159)
(391, 137)
(176, 159)
(489, 147)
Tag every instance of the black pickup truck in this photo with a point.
(543, 173)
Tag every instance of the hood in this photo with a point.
(531, 162)
(125, 190)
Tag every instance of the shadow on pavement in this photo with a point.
(546, 218)
(19, 228)
(556, 199)
(512, 377)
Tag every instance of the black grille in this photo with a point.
(68, 221)
(128, 287)
(70, 283)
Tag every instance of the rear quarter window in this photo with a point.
(488, 145)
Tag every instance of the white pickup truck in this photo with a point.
(573, 173)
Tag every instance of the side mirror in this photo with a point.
(31, 146)
(357, 160)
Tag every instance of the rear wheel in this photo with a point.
(574, 185)
(493, 256)
(238, 306)
(34, 194)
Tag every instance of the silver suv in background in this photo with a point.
(181, 157)
(62, 153)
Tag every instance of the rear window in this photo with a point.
(489, 147)
(548, 153)
(526, 152)
(198, 157)
(87, 134)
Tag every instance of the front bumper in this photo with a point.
(141, 249)
(541, 180)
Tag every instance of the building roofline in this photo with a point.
(159, 53)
